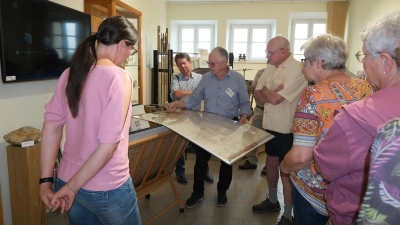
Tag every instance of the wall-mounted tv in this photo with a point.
(38, 38)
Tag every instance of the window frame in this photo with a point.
(310, 23)
(196, 28)
(250, 27)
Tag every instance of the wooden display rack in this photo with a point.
(151, 161)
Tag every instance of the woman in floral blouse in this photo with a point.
(324, 64)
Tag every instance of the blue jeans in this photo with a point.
(304, 212)
(117, 206)
(179, 168)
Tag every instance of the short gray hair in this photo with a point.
(382, 34)
(222, 52)
(330, 48)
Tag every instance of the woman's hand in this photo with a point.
(46, 194)
(63, 198)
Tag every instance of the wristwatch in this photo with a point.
(240, 117)
(46, 179)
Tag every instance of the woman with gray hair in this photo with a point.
(324, 64)
(342, 155)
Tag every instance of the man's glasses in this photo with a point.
(269, 54)
(212, 64)
(303, 61)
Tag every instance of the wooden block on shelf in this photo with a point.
(24, 174)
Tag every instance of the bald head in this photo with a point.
(278, 49)
(280, 41)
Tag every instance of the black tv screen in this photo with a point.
(38, 38)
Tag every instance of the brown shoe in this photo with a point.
(247, 166)
(264, 171)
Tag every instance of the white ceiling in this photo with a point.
(245, 1)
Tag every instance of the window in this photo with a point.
(250, 40)
(193, 37)
(301, 31)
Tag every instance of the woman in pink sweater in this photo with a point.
(92, 101)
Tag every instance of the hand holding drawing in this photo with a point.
(169, 106)
(172, 106)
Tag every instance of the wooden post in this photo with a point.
(158, 39)
(336, 20)
(166, 40)
(24, 174)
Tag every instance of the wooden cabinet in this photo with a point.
(100, 9)
(24, 174)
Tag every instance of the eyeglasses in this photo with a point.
(133, 49)
(212, 64)
(303, 61)
(360, 56)
(269, 54)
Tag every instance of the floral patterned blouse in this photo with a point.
(317, 106)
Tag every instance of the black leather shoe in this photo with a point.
(222, 199)
(209, 178)
(181, 179)
(264, 171)
(247, 166)
(194, 200)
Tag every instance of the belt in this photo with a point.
(260, 107)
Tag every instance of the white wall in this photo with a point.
(359, 14)
(22, 104)
(153, 15)
(243, 11)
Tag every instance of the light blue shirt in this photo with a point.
(179, 82)
(227, 97)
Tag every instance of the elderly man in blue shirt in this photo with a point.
(225, 93)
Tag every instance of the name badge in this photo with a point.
(230, 92)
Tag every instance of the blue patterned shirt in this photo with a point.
(179, 82)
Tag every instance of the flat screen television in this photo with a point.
(38, 38)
